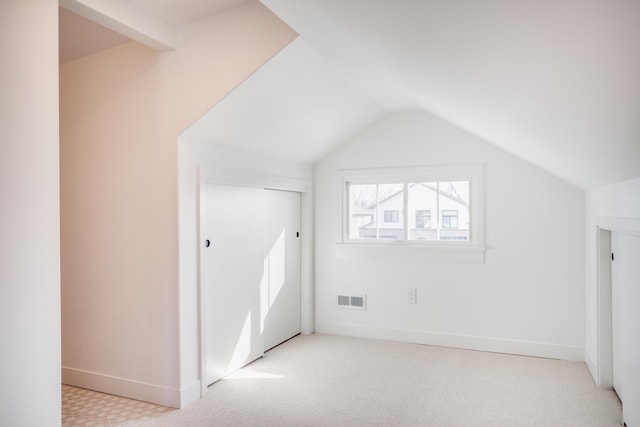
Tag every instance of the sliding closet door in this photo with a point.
(280, 292)
(232, 274)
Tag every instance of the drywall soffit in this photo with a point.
(128, 20)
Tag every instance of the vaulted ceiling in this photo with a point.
(556, 82)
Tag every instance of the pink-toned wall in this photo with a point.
(29, 214)
(125, 329)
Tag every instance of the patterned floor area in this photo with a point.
(86, 408)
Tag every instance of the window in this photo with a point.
(449, 219)
(414, 205)
(423, 219)
(449, 199)
(369, 215)
(391, 216)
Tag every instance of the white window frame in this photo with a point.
(474, 173)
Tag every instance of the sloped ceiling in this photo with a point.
(154, 23)
(556, 82)
(80, 37)
(176, 12)
(297, 107)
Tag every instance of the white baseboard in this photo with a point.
(496, 345)
(189, 394)
(145, 392)
(591, 366)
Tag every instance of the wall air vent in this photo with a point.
(354, 301)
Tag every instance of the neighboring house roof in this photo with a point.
(430, 187)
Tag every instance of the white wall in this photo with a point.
(29, 219)
(621, 200)
(528, 295)
(128, 320)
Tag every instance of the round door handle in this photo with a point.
(207, 243)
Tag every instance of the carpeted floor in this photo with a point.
(324, 380)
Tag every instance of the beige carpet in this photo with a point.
(323, 380)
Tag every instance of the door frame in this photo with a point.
(211, 175)
(604, 227)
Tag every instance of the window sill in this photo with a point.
(458, 254)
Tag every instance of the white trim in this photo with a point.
(224, 176)
(469, 342)
(591, 364)
(129, 388)
(189, 394)
(604, 367)
(446, 253)
(623, 225)
(202, 297)
(414, 173)
(307, 302)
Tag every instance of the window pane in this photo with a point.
(375, 211)
(391, 216)
(362, 203)
(423, 219)
(391, 200)
(423, 200)
(454, 210)
(439, 210)
(449, 219)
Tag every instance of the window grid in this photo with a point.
(446, 220)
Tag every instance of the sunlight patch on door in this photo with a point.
(276, 268)
(273, 276)
(242, 349)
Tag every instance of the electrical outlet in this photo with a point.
(412, 296)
